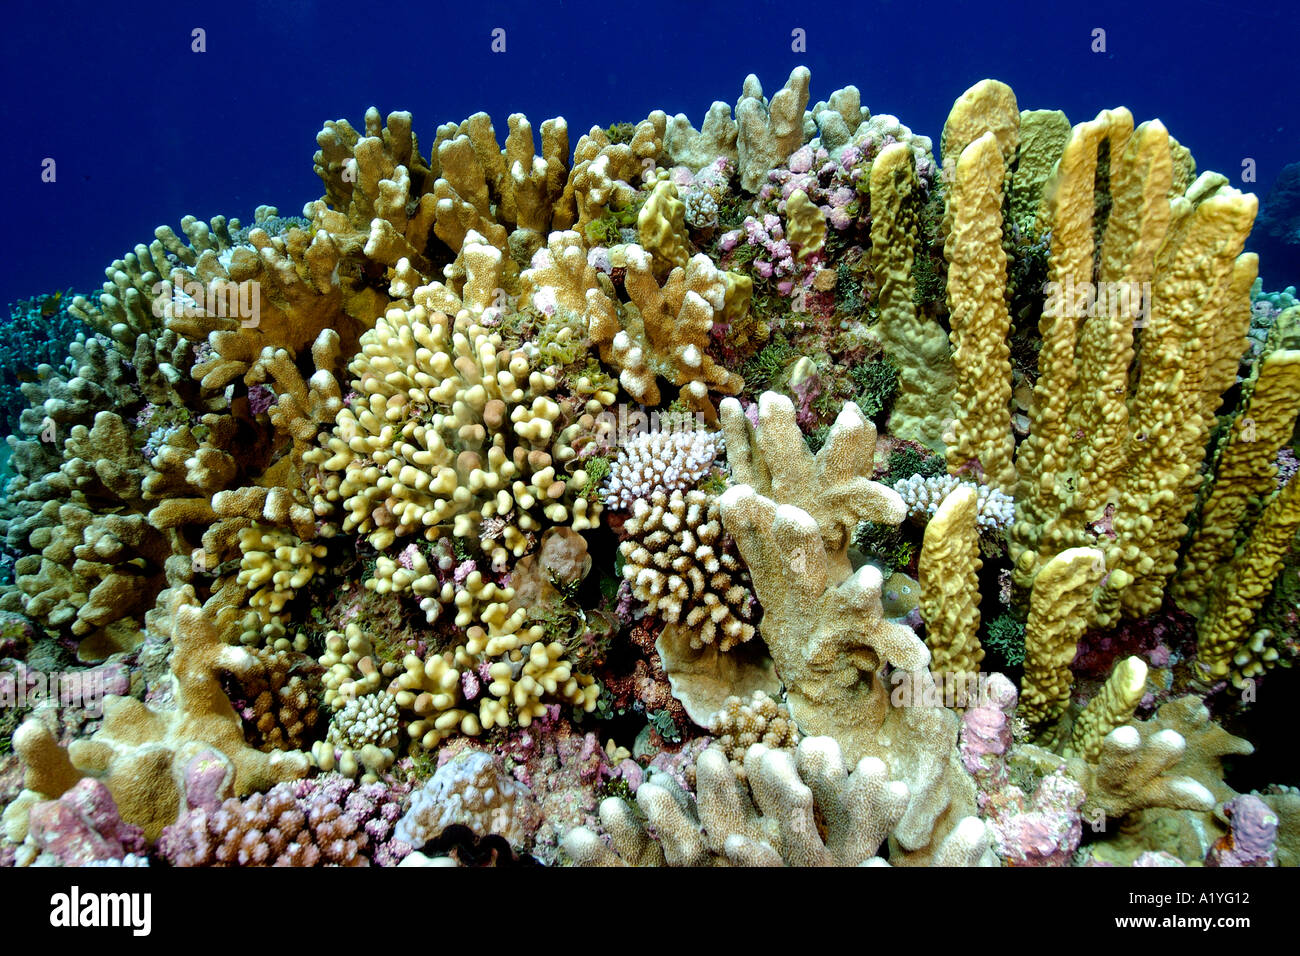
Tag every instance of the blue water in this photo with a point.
(144, 131)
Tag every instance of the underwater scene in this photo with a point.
(786, 481)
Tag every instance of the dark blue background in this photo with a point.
(145, 131)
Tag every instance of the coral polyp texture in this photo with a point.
(777, 492)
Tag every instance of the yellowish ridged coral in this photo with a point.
(1111, 707)
(949, 577)
(982, 441)
(1061, 592)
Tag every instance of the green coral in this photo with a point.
(907, 461)
(929, 285)
(1006, 636)
(604, 231)
(761, 372)
(817, 438)
(597, 469)
(888, 545)
(849, 299)
(877, 383)
(621, 132)
(663, 723)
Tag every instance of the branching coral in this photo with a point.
(1169, 761)
(757, 719)
(329, 821)
(823, 621)
(658, 461)
(449, 433)
(682, 565)
(994, 510)
(664, 331)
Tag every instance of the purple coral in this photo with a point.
(326, 821)
(260, 398)
(1252, 839)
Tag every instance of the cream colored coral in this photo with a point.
(695, 149)
(606, 175)
(430, 689)
(823, 621)
(771, 821)
(677, 562)
(140, 751)
(758, 719)
(1172, 761)
(362, 738)
(993, 509)
(468, 598)
(449, 432)
(768, 132)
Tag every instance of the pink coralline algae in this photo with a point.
(986, 731)
(407, 556)
(209, 779)
(82, 827)
(777, 257)
(831, 184)
(464, 570)
(470, 685)
(260, 398)
(326, 821)
(1287, 466)
(1251, 841)
(1043, 830)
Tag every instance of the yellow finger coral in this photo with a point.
(450, 435)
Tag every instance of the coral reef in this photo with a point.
(667, 503)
